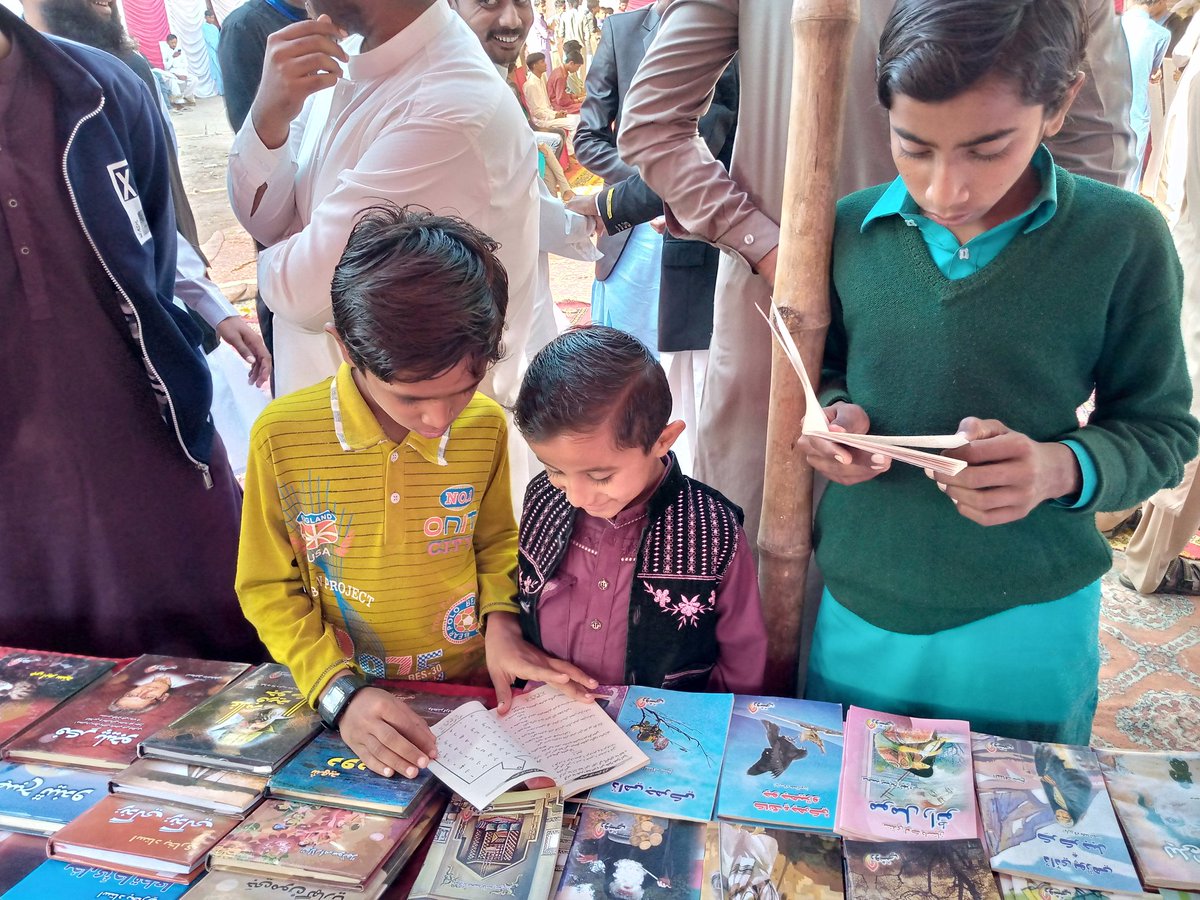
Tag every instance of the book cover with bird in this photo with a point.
(1047, 815)
(906, 779)
(782, 763)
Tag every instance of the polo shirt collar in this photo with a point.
(357, 428)
(897, 201)
(401, 48)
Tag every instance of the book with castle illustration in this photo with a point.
(545, 734)
(906, 779)
(509, 849)
(624, 854)
(782, 763)
(897, 447)
(42, 799)
(775, 862)
(1157, 799)
(918, 870)
(685, 735)
(254, 725)
(224, 885)
(220, 790)
(140, 837)
(284, 839)
(1047, 815)
(33, 683)
(100, 728)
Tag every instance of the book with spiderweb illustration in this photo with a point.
(684, 735)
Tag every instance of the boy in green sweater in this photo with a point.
(987, 291)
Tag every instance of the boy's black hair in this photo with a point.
(589, 376)
(414, 294)
(573, 56)
(533, 59)
(933, 50)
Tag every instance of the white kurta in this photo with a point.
(422, 119)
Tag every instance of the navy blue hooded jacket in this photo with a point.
(114, 162)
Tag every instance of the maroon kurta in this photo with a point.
(112, 544)
(583, 615)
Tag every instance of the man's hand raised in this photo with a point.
(301, 59)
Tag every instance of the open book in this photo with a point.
(545, 735)
(897, 447)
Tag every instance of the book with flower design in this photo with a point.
(1157, 799)
(33, 683)
(1047, 815)
(222, 885)
(283, 839)
(253, 725)
(153, 840)
(58, 880)
(100, 728)
(906, 779)
(685, 736)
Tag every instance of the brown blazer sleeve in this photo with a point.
(671, 91)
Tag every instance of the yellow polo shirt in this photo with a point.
(360, 552)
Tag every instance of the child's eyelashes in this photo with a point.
(605, 480)
(913, 154)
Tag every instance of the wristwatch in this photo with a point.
(337, 697)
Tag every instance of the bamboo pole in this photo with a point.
(822, 33)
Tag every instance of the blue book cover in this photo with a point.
(327, 772)
(684, 736)
(782, 763)
(41, 799)
(67, 881)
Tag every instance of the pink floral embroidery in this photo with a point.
(687, 610)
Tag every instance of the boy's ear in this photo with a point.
(667, 439)
(1054, 122)
(332, 332)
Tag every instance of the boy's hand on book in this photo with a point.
(386, 735)
(1007, 473)
(510, 656)
(840, 463)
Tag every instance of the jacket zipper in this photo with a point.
(204, 470)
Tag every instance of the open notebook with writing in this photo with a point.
(897, 447)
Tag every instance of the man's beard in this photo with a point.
(77, 21)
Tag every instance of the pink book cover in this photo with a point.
(906, 779)
(101, 727)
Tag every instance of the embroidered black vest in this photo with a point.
(690, 538)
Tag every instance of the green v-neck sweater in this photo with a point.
(1089, 300)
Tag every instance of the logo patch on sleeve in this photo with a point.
(122, 181)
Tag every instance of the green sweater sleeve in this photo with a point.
(1141, 434)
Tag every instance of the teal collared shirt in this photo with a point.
(957, 260)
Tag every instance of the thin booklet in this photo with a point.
(897, 447)
(545, 735)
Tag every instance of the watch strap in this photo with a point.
(337, 697)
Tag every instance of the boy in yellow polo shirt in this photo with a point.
(377, 528)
